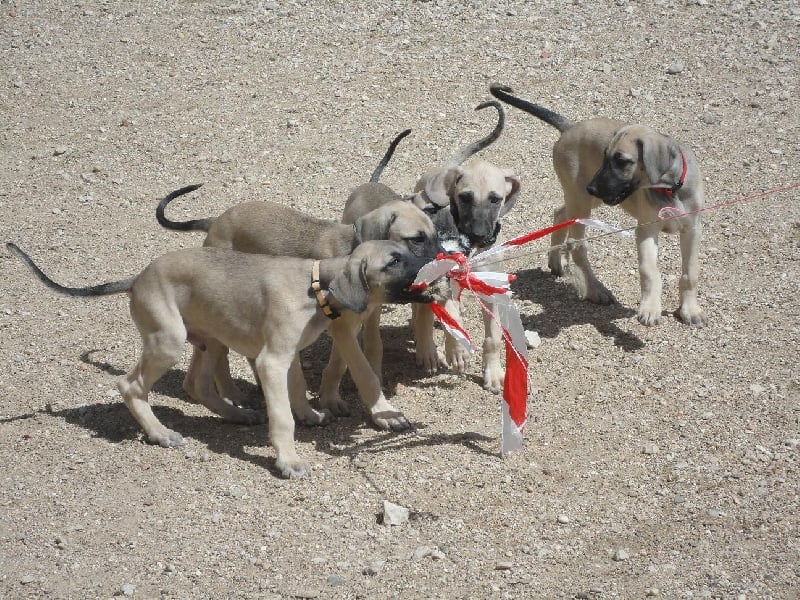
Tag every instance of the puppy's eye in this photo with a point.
(431, 209)
(417, 239)
(621, 161)
(495, 198)
(466, 197)
(393, 262)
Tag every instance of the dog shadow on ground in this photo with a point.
(561, 309)
(344, 437)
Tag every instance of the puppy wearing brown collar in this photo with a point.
(266, 308)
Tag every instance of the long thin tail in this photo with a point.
(193, 225)
(558, 121)
(104, 289)
(376, 174)
(482, 143)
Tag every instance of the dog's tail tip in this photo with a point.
(14, 249)
(500, 87)
(490, 104)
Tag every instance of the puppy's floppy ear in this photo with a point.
(513, 187)
(374, 225)
(350, 287)
(658, 154)
(439, 187)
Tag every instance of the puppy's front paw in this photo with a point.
(649, 313)
(692, 316)
(457, 356)
(333, 403)
(166, 438)
(493, 376)
(246, 416)
(428, 358)
(292, 468)
(391, 420)
(315, 418)
(555, 262)
(597, 293)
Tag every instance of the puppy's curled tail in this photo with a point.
(193, 225)
(485, 142)
(502, 92)
(376, 174)
(104, 289)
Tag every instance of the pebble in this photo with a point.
(437, 554)
(236, 491)
(421, 552)
(394, 514)
(708, 119)
(336, 580)
(26, 579)
(650, 449)
(374, 567)
(563, 519)
(127, 589)
(532, 339)
(503, 565)
(675, 68)
(652, 592)
(757, 389)
(60, 150)
(621, 554)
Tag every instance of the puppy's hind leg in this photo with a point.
(329, 397)
(305, 413)
(214, 361)
(161, 350)
(587, 286)
(555, 257)
(427, 355)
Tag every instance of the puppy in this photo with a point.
(466, 203)
(275, 229)
(642, 170)
(273, 312)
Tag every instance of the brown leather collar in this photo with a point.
(322, 299)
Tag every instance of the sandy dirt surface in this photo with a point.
(658, 461)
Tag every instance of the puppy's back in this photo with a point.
(272, 228)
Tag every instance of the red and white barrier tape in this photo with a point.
(493, 288)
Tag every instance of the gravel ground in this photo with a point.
(660, 461)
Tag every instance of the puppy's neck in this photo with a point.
(329, 268)
(337, 240)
